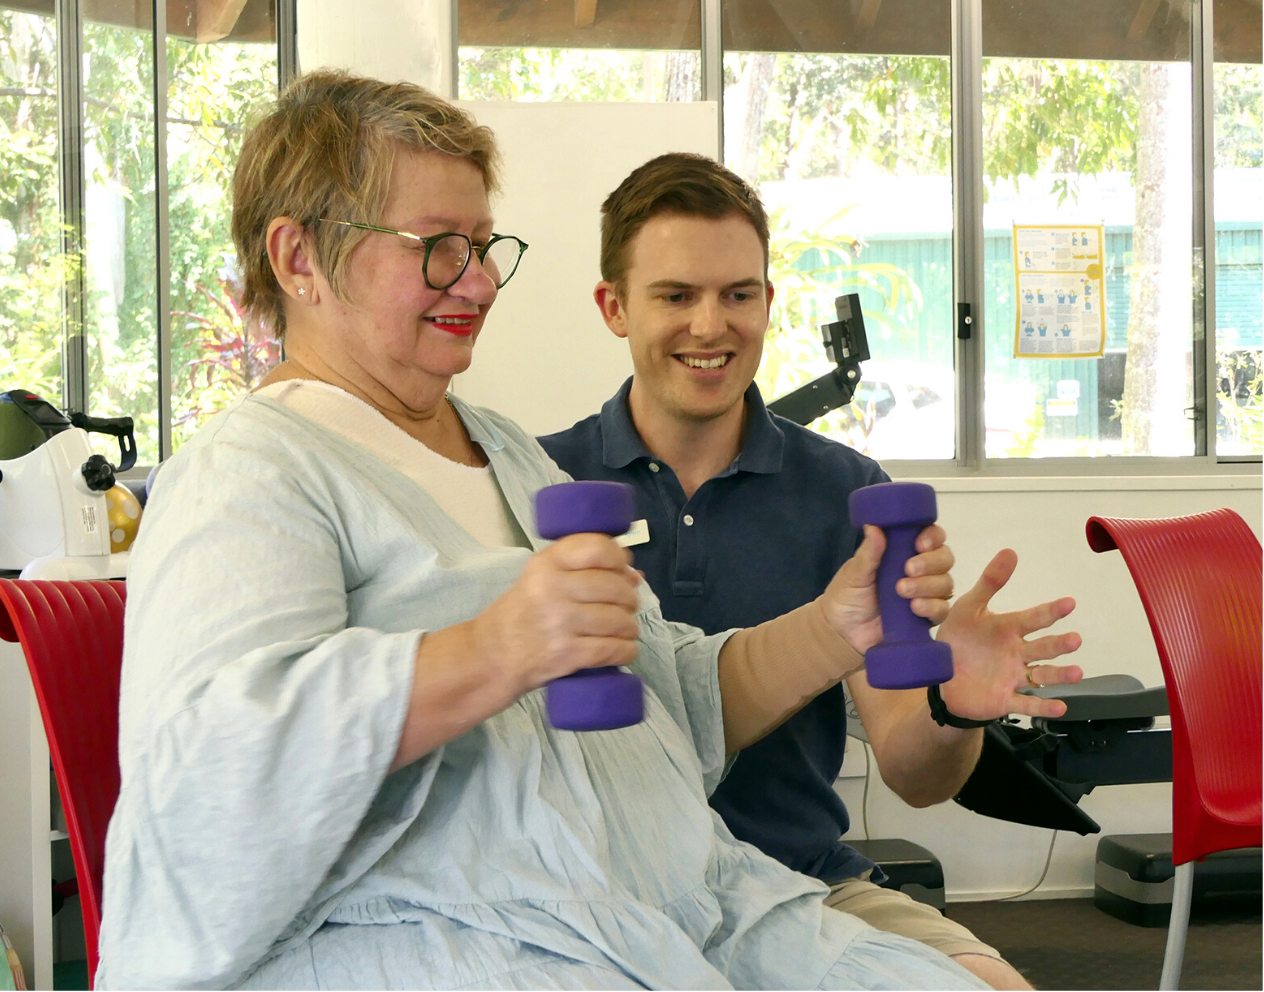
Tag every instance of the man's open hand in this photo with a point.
(992, 657)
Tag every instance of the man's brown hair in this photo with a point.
(676, 183)
(327, 150)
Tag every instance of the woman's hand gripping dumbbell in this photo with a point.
(572, 612)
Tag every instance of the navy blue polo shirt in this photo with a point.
(762, 538)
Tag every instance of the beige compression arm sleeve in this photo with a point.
(768, 673)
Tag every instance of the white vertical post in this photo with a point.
(41, 846)
(162, 233)
(967, 209)
(713, 67)
(1178, 927)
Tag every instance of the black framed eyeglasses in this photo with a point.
(448, 254)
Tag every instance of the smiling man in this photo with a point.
(745, 518)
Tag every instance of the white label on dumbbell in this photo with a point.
(638, 533)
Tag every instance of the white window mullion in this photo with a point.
(967, 241)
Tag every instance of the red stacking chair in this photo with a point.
(1200, 582)
(72, 634)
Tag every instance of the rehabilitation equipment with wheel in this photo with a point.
(62, 515)
(591, 698)
(908, 657)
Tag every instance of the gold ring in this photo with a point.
(1032, 682)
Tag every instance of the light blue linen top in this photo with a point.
(277, 593)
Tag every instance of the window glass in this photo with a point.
(578, 50)
(220, 77)
(120, 263)
(31, 269)
(844, 123)
(1087, 138)
(1239, 213)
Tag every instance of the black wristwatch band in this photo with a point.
(939, 713)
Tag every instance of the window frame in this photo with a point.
(69, 21)
(966, 69)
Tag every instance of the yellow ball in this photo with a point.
(124, 517)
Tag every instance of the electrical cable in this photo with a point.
(864, 798)
(1040, 881)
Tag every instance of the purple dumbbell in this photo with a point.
(908, 656)
(591, 698)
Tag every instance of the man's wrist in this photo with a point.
(940, 713)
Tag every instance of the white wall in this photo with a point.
(544, 356)
(390, 41)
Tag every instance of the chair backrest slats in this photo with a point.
(72, 635)
(1200, 580)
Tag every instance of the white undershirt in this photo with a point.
(469, 495)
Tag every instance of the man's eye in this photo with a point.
(674, 297)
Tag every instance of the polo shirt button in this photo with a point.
(653, 466)
(688, 520)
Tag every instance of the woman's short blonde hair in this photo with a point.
(327, 150)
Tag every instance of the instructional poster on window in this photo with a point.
(1061, 306)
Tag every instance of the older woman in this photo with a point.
(337, 771)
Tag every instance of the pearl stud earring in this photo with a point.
(302, 291)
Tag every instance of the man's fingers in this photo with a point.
(1054, 674)
(935, 561)
(1053, 646)
(930, 538)
(867, 557)
(927, 587)
(1045, 615)
(993, 579)
(934, 610)
(1021, 705)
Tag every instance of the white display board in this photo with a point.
(544, 357)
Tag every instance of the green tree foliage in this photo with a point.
(30, 224)
(214, 91)
(589, 74)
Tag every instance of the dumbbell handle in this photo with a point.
(591, 698)
(908, 656)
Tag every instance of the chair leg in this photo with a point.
(1174, 956)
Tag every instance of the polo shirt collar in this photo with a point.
(621, 444)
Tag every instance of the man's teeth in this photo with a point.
(704, 363)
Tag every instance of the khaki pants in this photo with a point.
(894, 912)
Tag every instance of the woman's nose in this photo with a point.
(475, 284)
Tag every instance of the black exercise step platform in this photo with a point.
(909, 868)
(1134, 878)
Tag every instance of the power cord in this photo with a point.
(864, 799)
(1040, 881)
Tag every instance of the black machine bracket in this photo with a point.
(847, 346)
(119, 427)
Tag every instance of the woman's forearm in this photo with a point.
(769, 672)
(451, 692)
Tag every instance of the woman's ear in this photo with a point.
(289, 252)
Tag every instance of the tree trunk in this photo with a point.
(747, 102)
(1157, 376)
(681, 85)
